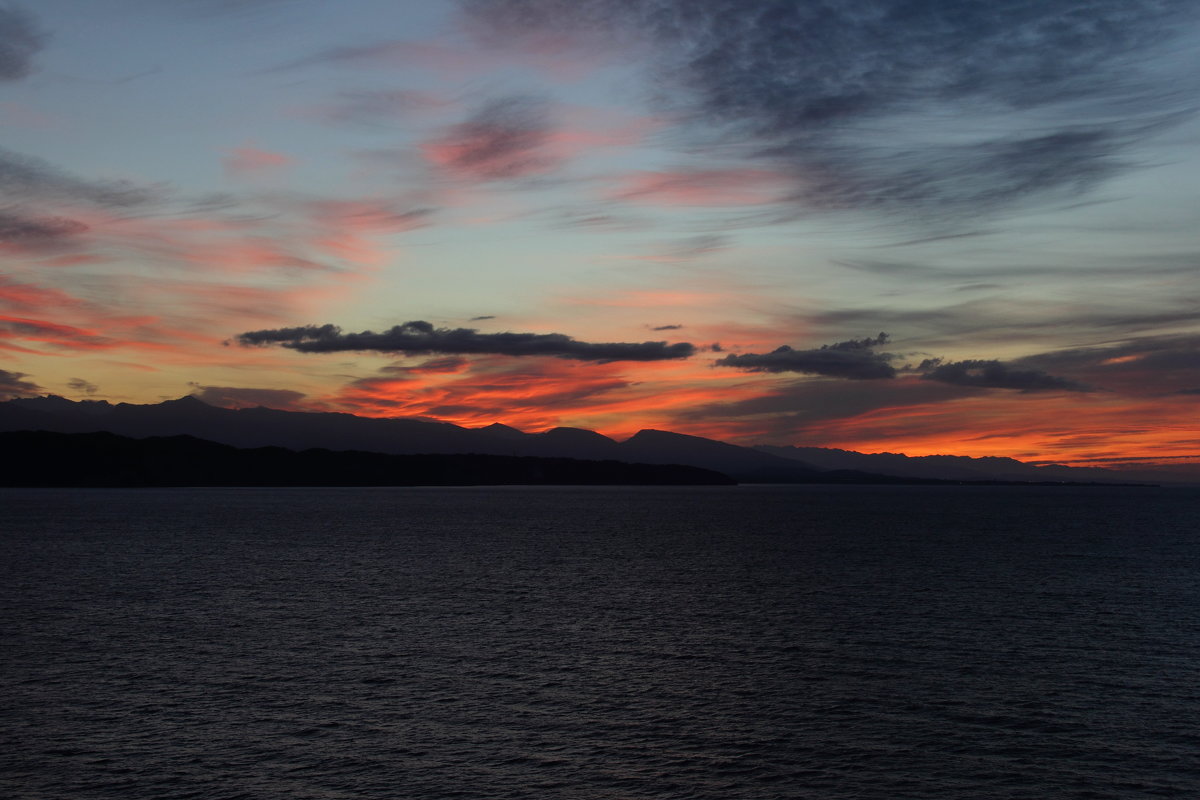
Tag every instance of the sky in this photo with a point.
(918, 226)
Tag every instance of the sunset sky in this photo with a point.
(918, 226)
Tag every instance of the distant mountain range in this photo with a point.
(43, 458)
(264, 427)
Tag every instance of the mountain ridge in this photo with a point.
(338, 431)
(102, 459)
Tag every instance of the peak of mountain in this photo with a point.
(187, 401)
(499, 429)
(744, 463)
(573, 443)
(650, 439)
(575, 435)
(653, 433)
(180, 405)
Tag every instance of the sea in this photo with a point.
(601, 643)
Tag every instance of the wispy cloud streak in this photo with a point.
(894, 104)
(27, 178)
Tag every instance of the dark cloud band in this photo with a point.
(855, 359)
(992, 374)
(17, 227)
(421, 338)
(24, 178)
(248, 397)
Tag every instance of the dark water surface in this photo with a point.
(733, 643)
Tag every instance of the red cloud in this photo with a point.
(504, 139)
(52, 333)
(514, 138)
(24, 296)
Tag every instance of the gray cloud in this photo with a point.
(12, 385)
(378, 107)
(1144, 365)
(82, 386)
(23, 178)
(802, 411)
(966, 177)
(421, 338)
(666, 327)
(247, 397)
(1169, 352)
(237, 6)
(1115, 267)
(996, 375)
(689, 248)
(21, 229)
(905, 105)
(238, 12)
(350, 54)
(855, 359)
(433, 366)
(20, 41)
(1019, 320)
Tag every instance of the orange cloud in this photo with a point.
(1062, 429)
(616, 399)
(183, 322)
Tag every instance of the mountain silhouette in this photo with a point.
(954, 468)
(303, 430)
(42, 458)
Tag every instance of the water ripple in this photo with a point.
(735, 644)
